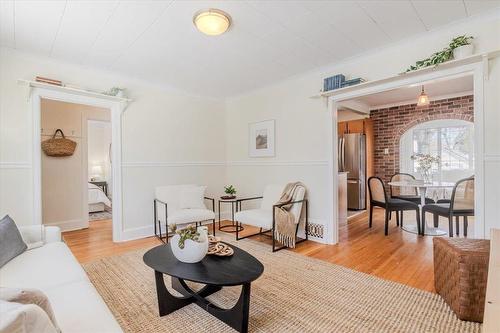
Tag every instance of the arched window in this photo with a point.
(451, 140)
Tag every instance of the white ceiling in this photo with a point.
(435, 90)
(269, 40)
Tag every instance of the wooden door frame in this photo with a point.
(116, 107)
(479, 71)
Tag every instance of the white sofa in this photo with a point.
(53, 269)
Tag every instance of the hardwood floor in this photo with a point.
(401, 257)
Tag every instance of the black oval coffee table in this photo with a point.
(215, 272)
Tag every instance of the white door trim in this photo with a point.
(116, 108)
(478, 71)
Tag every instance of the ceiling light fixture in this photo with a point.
(423, 99)
(212, 21)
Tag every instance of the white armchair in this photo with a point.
(181, 205)
(264, 216)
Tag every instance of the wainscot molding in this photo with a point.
(221, 163)
(170, 164)
(15, 165)
(278, 163)
(492, 158)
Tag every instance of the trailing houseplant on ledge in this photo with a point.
(446, 54)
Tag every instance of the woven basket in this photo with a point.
(58, 147)
(460, 275)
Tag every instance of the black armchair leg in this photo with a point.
(420, 229)
(436, 220)
(397, 218)
(450, 225)
(386, 228)
(466, 225)
(371, 216)
(401, 220)
(457, 225)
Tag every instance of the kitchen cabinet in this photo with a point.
(356, 126)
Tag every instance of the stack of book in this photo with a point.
(333, 82)
(48, 81)
(352, 82)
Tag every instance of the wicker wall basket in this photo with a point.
(58, 147)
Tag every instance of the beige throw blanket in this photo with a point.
(286, 223)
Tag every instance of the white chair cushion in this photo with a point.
(171, 194)
(80, 309)
(42, 268)
(184, 216)
(272, 194)
(192, 197)
(261, 218)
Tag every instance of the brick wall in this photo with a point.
(389, 124)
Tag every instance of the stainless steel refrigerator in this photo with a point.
(352, 159)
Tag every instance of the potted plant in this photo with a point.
(189, 245)
(462, 46)
(425, 162)
(230, 192)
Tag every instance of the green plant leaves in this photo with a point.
(442, 56)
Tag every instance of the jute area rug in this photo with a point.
(295, 294)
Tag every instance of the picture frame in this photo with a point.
(261, 139)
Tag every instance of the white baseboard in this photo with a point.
(137, 233)
(69, 225)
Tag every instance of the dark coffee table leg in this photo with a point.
(236, 317)
(167, 303)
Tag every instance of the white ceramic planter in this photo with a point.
(193, 251)
(463, 51)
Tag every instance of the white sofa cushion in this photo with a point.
(80, 309)
(43, 268)
(261, 218)
(184, 216)
(192, 197)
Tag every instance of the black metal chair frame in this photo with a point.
(157, 222)
(265, 232)
(451, 212)
(390, 208)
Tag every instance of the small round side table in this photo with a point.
(235, 206)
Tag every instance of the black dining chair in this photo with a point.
(405, 193)
(461, 204)
(379, 198)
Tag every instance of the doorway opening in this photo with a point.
(74, 188)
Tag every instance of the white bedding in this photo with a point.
(96, 195)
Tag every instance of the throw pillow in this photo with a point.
(192, 197)
(28, 318)
(29, 296)
(11, 241)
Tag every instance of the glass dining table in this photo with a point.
(422, 190)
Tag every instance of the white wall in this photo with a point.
(168, 137)
(302, 123)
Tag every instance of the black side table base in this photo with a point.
(236, 317)
(234, 226)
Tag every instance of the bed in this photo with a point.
(98, 201)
